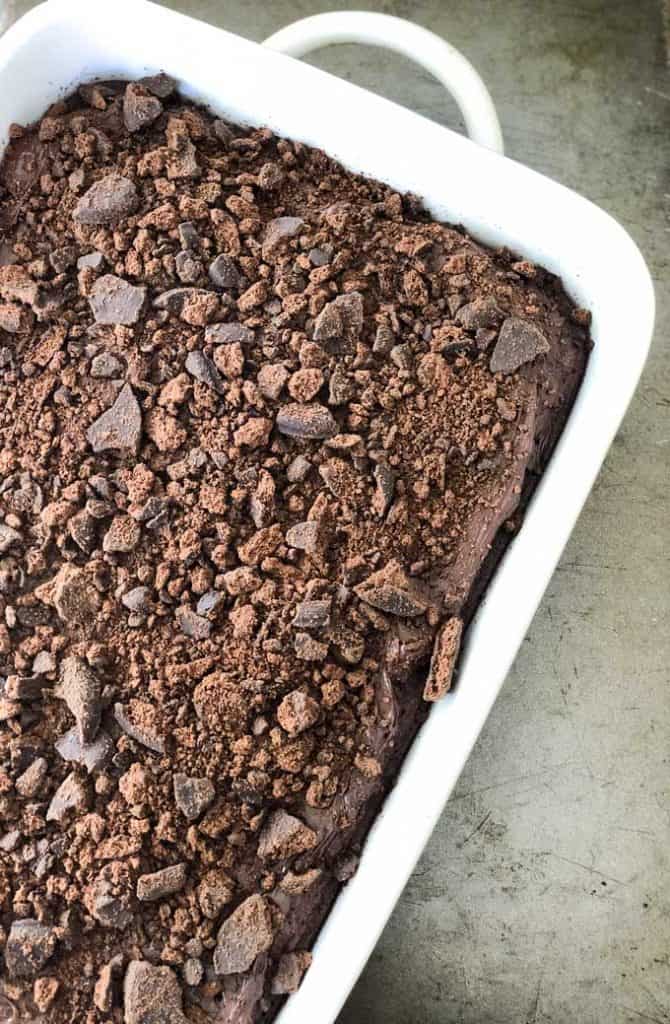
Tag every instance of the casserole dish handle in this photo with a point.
(442, 60)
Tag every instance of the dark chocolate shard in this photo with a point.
(71, 796)
(140, 107)
(225, 334)
(384, 490)
(519, 342)
(443, 661)
(284, 836)
(92, 756)
(158, 885)
(248, 932)
(392, 591)
(313, 615)
(290, 970)
(341, 319)
(223, 273)
(120, 426)
(160, 85)
(192, 624)
(480, 313)
(152, 995)
(30, 945)
(310, 421)
(203, 369)
(280, 230)
(192, 795)
(111, 199)
(115, 301)
(80, 688)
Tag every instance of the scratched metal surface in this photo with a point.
(543, 894)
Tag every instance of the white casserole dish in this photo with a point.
(64, 42)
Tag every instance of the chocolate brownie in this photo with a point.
(265, 429)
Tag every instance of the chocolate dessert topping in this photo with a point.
(265, 430)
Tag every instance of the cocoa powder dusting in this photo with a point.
(261, 423)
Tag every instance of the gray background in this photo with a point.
(543, 894)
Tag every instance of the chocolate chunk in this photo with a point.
(26, 688)
(115, 301)
(290, 970)
(193, 625)
(74, 598)
(443, 661)
(111, 199)
(298, 469)
(106, 365)
(91, 261)
(8, 538)
(320, 256)
(30, 782)
(214, 893)
(341, 319)
(340, 387)
(92, 756)
(385, 489)
(297, 712)
(248, 932)
(140, 107)
(137, 600)
(280, 230)
(188, 267)
(120, 426)
(82, 529)
(30, 945)
(203, 369)
(313, 614)
(223, 133)
(284, 836)
(225, 334)
(152, 995)
(182, 161)
(329, 325)
(139, 720)
(80, 689)
(160, 884)
(304, 536)
(108, 898)
(306, 421)
(103, 993)
(480, 313)
(391, 590)
(271, 379)
(188, 236)
(209, 602)
(122, 536)
(160, 85)
(519, 342)
(223, 273)
(192, 795)
(70, 796)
